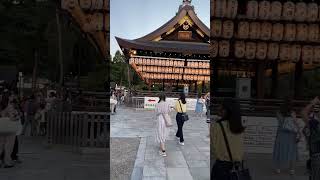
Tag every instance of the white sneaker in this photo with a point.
(181, 143)
(164, 154)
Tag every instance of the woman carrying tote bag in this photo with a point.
(163, 122)
(227, 144)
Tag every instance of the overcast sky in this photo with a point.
(131, 19)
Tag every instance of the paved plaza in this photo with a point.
(41, 162)
(189, 162)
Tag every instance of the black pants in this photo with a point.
(220, 170)
(14, 154)
(180, 123)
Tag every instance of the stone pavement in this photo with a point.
(189, 162)
(41, 162)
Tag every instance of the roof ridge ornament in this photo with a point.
(185, 3)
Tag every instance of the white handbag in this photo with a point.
(8, 127)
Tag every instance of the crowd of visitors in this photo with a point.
(21, 117)
(228, 146)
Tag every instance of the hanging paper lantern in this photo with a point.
(301, 11)
(276, 9)
(316, 55)
(262, 50)
(252, 9)
(307, 54)
(250, 50)
(85, 4)
(171, 63)
(264, 9)
(302, 32)
(240, 49)
(227, 29)
(313, 32)
(232, 8)
(277, 32)
(97, 21)
(216, 28)
(273, 51)
(288, 10)
(284, 53)
(148, 62)
(214, 48)
(290, 32)
(254, 30)
(312, 12)
(295, 53)
(266, 31)
(224, 48)
(221, 8)
(243, 30)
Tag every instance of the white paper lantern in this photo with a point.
(273, 51)
(264, 9)
(85, 4)
(232, 8)
(243, 30)
(301, 11)
(307, 54)
(288, 10)
(227, 29)
(284, 53)
(252, 9)
(262, 50)
(221, 8)
(224, 48)
(266, 31)
(240, 49)
(277, 32)
(290, 32)
(295, 53)
(216, 28)
(251, 48)
(312, 12)
(313, 32)
(302, 32)
(254, 30)
(276, 9)
(316, 55)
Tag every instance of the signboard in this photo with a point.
(150, 102)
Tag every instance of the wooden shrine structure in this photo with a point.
(260, 39)
(93, 18)
(175, 54)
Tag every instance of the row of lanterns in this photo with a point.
(159, 69)
(157, 62)
(268, 10)
(85, 4)
(266, 31)
(198, 64)
(237, 73)
(197, 71)
(270, 51)
(176, 77)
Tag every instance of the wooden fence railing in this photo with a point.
(81, 129)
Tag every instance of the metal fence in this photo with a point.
(80, 129)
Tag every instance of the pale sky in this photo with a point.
(132, 19)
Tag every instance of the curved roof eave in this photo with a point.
(172, 22)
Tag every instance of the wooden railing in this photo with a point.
(80, 129)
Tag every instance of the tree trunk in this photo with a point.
(35, 69)
(59, 47)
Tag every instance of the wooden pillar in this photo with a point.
(214, 63)
(298, 80)
(195, 87)
(275, 79)
(260, 80)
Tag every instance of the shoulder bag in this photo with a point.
(8, 127)
(184, 115)
(237, 172)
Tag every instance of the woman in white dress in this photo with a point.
(162, 109)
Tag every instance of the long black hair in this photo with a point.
(183, 98)
(162, 97)
(232, 114)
